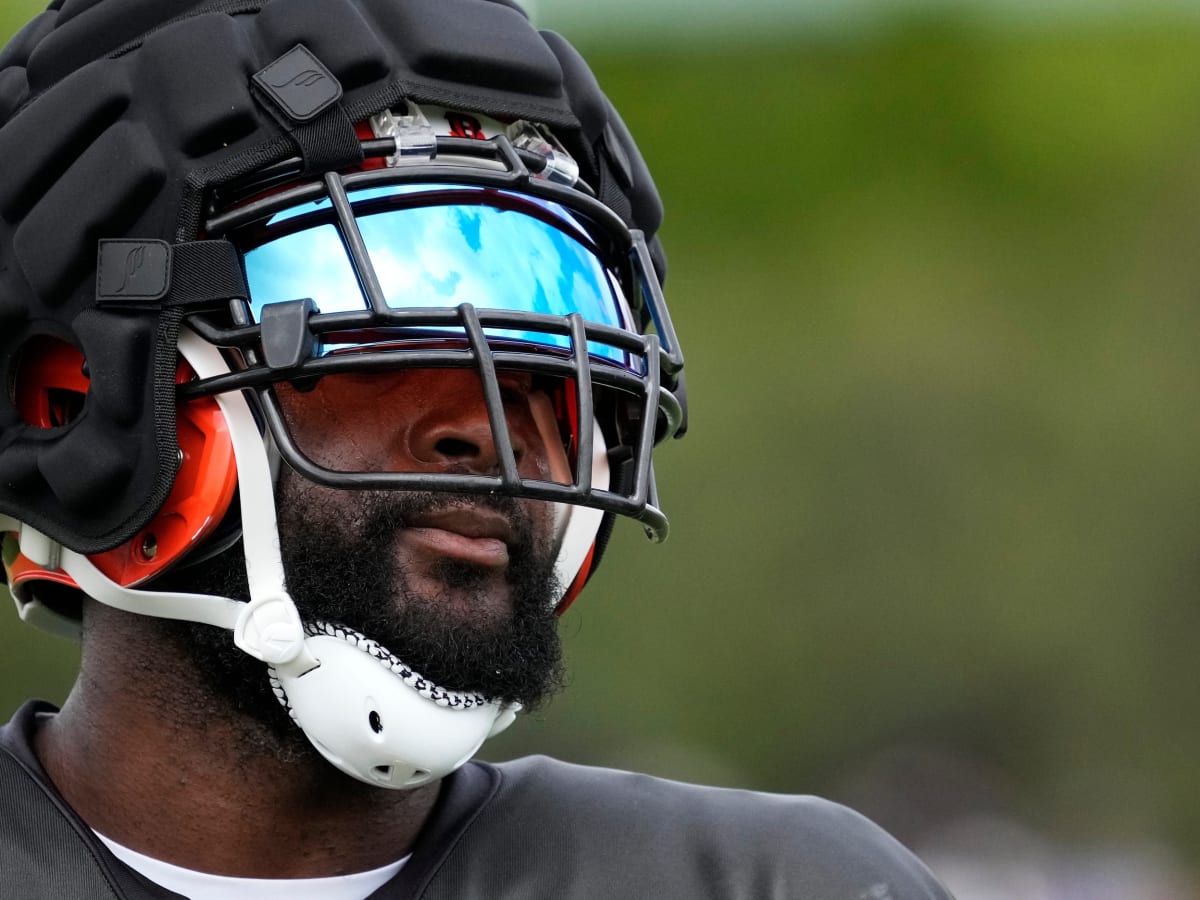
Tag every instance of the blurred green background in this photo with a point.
(936, 526)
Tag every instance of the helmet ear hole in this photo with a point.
(50, 383)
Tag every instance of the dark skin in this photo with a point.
(149, 755)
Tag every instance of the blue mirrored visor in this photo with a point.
(497, 251)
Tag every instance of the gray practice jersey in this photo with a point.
(534, 828)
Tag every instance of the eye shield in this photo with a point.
(436, 247)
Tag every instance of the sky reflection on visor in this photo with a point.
(440, 256)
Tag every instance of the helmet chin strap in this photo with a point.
(359, 706)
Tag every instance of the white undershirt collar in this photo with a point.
(202, 886)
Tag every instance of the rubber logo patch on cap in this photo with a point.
(299, 84)
(133, 270)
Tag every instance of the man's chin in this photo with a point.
(464, 626)
(460, 591)
(461, 633)
(468, 615)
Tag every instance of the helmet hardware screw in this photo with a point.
(149, 546)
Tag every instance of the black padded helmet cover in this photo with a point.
(117, 116)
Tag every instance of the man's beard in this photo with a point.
(341, 569)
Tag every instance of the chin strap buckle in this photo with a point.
(270, 630)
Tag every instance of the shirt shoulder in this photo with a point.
(557, 829)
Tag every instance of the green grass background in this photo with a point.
(938, 288)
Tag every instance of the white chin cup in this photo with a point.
(374, 725)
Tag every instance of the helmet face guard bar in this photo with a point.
(574, 292)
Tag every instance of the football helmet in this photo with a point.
(217, 212)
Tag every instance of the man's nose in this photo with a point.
(455, 431)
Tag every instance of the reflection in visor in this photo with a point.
(437, 257)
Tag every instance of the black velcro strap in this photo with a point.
(304, 97)
(206, 273)
(328, 143)
(154, 275)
